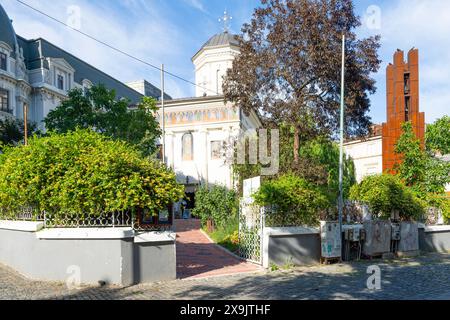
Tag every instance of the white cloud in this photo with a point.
(196, 4)
(424, 25)
(142, 32)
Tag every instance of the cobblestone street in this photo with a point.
(426, 277)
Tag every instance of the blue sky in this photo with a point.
(171, 31)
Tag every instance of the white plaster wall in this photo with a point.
(203, 168)
(367, 156)
(210, 68)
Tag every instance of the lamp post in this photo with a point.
(341, 148)
(25, 123)
(163, 116)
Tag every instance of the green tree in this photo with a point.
(12, 131)
(421, 170)
(318, 163)
(325, 153)
(414, 159)
(438, 136)
(216, 203)
(98, 108)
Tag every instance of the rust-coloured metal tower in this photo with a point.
(402, 90)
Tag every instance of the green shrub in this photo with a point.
(294, 201)
(83, 172)
(216, 203)
(387, 193)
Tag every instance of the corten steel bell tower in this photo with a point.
(402, 90)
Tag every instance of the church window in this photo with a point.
(3, 61)
(187, 147)
(4, 101)
(216, 147)
(60, 82)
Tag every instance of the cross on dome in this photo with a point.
(226, 21)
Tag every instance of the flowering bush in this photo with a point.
(83, 172)
(387, 193)
(217, 204)
(293, 201)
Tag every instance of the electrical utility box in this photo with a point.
(395, 232)
(353, 233)
(378, 238)
(409, 237)
(331, 240)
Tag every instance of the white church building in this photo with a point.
(197, 128)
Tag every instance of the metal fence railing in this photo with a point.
(23, 214)
(89, 220)
(127, 218)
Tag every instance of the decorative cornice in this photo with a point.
(49, 92)
(205, 115)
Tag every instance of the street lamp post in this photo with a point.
(341, 148)
(25, 123)
(163, 116)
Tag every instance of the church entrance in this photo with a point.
(190, 200)
(183, 209)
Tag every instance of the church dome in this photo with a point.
(7, 34)
(221, 39)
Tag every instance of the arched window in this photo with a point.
(187, 147)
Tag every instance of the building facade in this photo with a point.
(198, 129)
(367, 154)
(38, 74)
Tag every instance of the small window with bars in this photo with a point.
(3, 61)
(4, 101)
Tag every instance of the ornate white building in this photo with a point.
(198, 128)
(39, 74)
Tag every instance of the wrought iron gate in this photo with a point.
(251, 228)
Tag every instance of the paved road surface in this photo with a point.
(426, 277)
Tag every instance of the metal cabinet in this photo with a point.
(331, 240)
(378, 238)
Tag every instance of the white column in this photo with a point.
(203, 155)
(168, 150)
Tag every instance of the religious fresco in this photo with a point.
(204, 116)
(188, 147)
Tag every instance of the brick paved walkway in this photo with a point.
(422, 278)
(198, 257)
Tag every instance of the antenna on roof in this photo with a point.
(226, 21)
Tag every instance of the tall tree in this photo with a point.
(421, 170)
(99, 109)
(438, 136)
(290, 62)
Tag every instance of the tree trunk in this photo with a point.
(296, 144)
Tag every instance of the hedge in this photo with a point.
(387, 193)
(83, 172)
